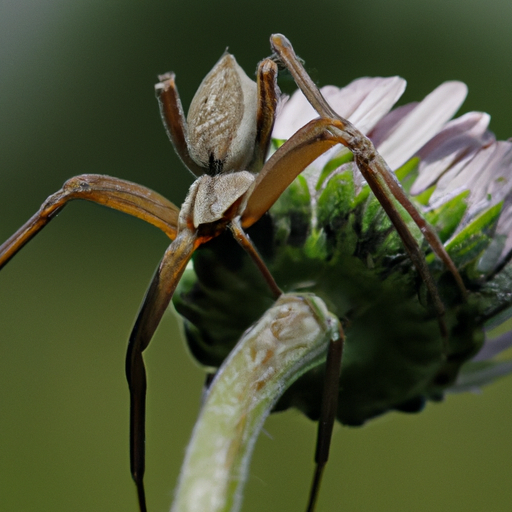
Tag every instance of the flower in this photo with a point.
(328, 235)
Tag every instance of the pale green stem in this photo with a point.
(288, 340)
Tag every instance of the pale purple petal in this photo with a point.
(363, 102)
(494, 347)
(366, 100)
(422, 123)
(389, 122)
(504, 228)
(494, 181)
(472, 124)
(457, 140)
(488, 176)
(472, 379)
(501, 190)
(458, 177)
(293, 115)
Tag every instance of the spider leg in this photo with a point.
(118, 194)
(327, 412)
(268, 93)
(297, 153)
(153, 307)
(174, 120)
(285, 165)
(427, 231)
(372, 166)
(243, 239)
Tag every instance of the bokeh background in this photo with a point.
(76, 96)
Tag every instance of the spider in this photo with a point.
(224, 142)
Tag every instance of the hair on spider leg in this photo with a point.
(287, 82)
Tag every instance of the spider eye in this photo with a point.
(222, 118)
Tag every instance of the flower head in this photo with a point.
(328, 234)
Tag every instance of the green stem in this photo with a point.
(288, 340)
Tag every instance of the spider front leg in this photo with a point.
(155, 303)
(196, 226)
(118, 194)
(147, 205)
(372, 166)
(327, 412)
(245, 242)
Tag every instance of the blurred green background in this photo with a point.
(76, 96)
